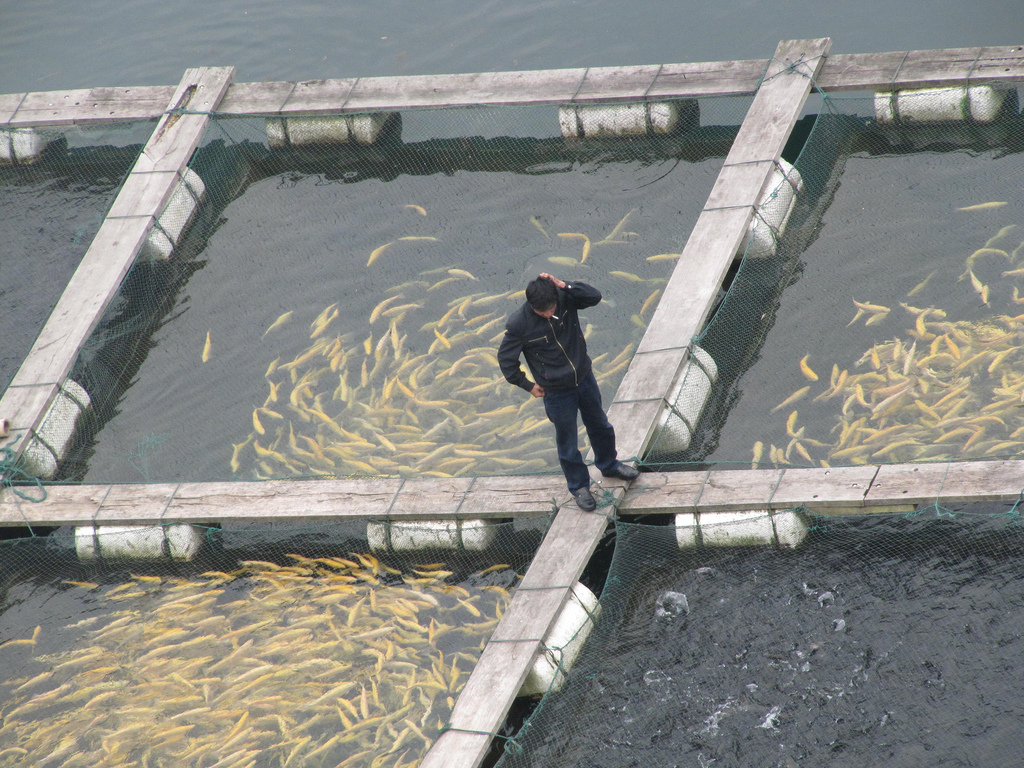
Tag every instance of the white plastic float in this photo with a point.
(165, 235)
(145, 542)
(563, 642)
(677, 424)
(975, 103)
(23, 146)
(53, 438)
(344, 129)
(784, 528)
(473, 535)
(638, 119)
(773, 211)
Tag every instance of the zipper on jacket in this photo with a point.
(575, 373)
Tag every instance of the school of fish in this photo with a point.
(418, 391)
(326, 661)
(949, 390)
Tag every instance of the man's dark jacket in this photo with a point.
(554, 349)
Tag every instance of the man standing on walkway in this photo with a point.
(546, 331)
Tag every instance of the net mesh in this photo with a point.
(259, 646)
(882, 324)
(882, 638)
(56, 185)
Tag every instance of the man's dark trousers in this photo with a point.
(561, 406)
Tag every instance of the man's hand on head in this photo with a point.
(560, 284)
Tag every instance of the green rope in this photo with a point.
(14, 474)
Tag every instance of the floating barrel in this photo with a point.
(345, 129)
(975, 103)
(179, 541)
(165, 235)
(773, 212)
(678, 423)
(23, 146)
(53, 438)
(639, 119)
(474, 535)
(563, 642)
(784, 528)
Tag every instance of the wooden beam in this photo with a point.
(716, 237)
(379, 498)
(112, 252)
(842, 72)
(900, 70)
(91, 106)
(846, 490)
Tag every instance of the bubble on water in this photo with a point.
(839, 624)
(670, 604)
(706, 570)
(656, 677)
(826, 598)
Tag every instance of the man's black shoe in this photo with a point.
(585, 499)
(623, 472)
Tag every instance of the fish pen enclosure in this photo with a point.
(886, 327)
(269, 645)
(886, 639)
(336, 309)
(282, 509)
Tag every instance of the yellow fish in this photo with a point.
(578, 236)
(982, 206)
(799, 394)
(978, 286)
(920, 286)
(376, 313)
(376, 252)
(664, 256)
(206, 348)
(418, 208)
(650, 300)
(279, 322)
(805, 369)
(627, 276)
(1000, 234)
(618, 229)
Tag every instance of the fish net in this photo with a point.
(885, 325)
(266, 646)
(883, 639)
(334, 309)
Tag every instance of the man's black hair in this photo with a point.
(541, 294)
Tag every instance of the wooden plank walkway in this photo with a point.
(147, 189)
(648, 383)
(863, 71)
(836, 490)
